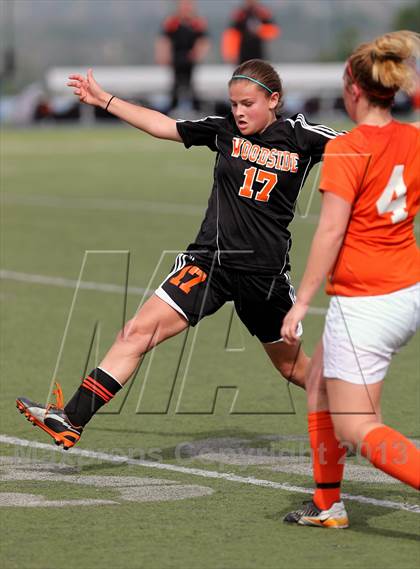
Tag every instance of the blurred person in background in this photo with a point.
(250, 27)
(182, 43)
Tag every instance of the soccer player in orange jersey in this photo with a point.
(365, 243)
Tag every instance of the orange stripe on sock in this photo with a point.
(394, 454)
(97, 388)
(96, 392)
(100, 386)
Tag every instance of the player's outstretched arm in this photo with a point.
(90, 92)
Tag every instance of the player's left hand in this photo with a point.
(291, 322)
(88, 89)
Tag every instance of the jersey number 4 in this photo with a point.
(252, 174)
(393, 199)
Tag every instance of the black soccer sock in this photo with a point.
(96, 389)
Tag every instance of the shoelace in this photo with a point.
(309, 509)
(59, 398)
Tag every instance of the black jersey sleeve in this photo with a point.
(311, 137)
(202, 132)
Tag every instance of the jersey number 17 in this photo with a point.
(269, 179)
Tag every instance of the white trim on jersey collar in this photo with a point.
(318, 129)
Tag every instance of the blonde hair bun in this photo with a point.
(390, 54)
(385, 65)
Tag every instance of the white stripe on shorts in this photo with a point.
(292, 296)
(163, 295)
(180, 262)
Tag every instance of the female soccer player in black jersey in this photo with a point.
(241, 252)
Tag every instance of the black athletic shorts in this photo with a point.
(196, 291)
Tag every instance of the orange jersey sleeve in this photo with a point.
(377, 170)
(230, 45)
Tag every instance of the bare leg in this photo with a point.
(316, 390)
(155, 322)
(355, 409)
(291, 361)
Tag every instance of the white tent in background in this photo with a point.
(317, 79)
(301, 81)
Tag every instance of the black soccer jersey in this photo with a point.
(257, 180)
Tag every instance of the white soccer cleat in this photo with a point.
(310, 515)
(51, 418)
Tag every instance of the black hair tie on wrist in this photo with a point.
(108, 103)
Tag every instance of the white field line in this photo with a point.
(91, 285)
(67, 283)
(133, 206)
(110, 204)
(14, 150)
(105, 204)
(120, 459)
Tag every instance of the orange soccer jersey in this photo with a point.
(377, 170)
